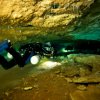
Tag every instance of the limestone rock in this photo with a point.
(44, 13)
(27, 88)
(91, 61)
(82, 87)
(87, 80)
(54, 21)
(75, 70)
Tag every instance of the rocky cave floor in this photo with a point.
(78, 79)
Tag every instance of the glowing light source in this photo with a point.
(49, 64)
(64, 50)
(9, 55)
(35, 59)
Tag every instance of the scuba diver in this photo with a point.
(36, 50)
(25, 53)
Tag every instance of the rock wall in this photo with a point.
(42, 13)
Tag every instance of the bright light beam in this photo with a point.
(49, 65)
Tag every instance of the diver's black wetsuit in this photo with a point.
(7, 64)
(29, 50)
(17, 58)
